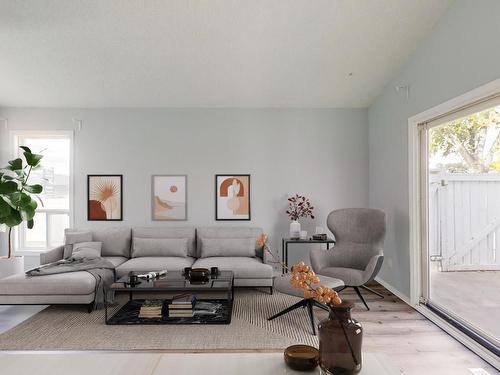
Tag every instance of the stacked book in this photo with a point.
(151, 309)
(182, 306)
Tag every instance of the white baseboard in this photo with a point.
(445, 326)
(393, 290)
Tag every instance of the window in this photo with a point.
(55, 175)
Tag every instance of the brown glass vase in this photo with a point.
(340, 339)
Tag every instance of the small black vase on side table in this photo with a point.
(340, 340)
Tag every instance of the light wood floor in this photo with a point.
(413, 344)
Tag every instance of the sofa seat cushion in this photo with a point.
(69, 283)
(350, 276)
(145, 264)
(244, 268)
(116, 260)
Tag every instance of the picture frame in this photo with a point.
(169, 197)
(105, 197)
(232, 197)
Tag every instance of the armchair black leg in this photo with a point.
(361, 297)
(372, 291)
(271, 290)
(309, 303)
(90, 307)
(311, 315)
(302, 303)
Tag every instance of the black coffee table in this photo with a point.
(173, 282)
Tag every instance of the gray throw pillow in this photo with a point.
(72, 236)
(68, 250)
(228, 247)
(86, 250)
(159, 247)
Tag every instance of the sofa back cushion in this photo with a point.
(169, 232)
(229, 233)
(159, 247)
(115, 241)
(227, 247)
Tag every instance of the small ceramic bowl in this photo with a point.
(302, 357)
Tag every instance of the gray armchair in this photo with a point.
(358, 254)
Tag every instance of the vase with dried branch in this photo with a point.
(340, 336)
(298, 206)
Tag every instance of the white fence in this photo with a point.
(464, 221)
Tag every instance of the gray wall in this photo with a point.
(461, 54)
(321, 153)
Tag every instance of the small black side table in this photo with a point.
(286, 241)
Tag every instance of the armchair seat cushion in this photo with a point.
(145, 264)
(282, 285)
(243, 268)
(350, 276)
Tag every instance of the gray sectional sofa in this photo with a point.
(144, 249)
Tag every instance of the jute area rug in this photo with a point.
(72, 328)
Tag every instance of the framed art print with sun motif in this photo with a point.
(169, 197)
(104, 197)
(232, 197)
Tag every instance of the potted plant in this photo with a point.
(17, 204)
(298, 206)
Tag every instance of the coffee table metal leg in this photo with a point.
(282, 256)
(105, 305)
(286, 257)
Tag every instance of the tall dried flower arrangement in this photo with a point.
(299, 206)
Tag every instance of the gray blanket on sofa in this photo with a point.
(102, 270)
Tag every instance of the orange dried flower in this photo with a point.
(303, 278)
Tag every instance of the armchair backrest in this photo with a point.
(359, 235)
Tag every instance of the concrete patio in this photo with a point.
(472, 295)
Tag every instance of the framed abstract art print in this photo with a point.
(104, 197)
(169, 197)
(232, 197)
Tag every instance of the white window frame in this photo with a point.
(19, 249)
(417, 155)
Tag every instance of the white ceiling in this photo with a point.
(217, 53)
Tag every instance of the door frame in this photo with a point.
(417, 155)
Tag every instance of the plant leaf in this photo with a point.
(4, 208)
(30, 224)
(13, 220)
(25, 148)
(27, 213)
(16, 164)
(24, 200)
(34, 189)
(33, 160)
(8, 187)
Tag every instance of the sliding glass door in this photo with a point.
(460, 204)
